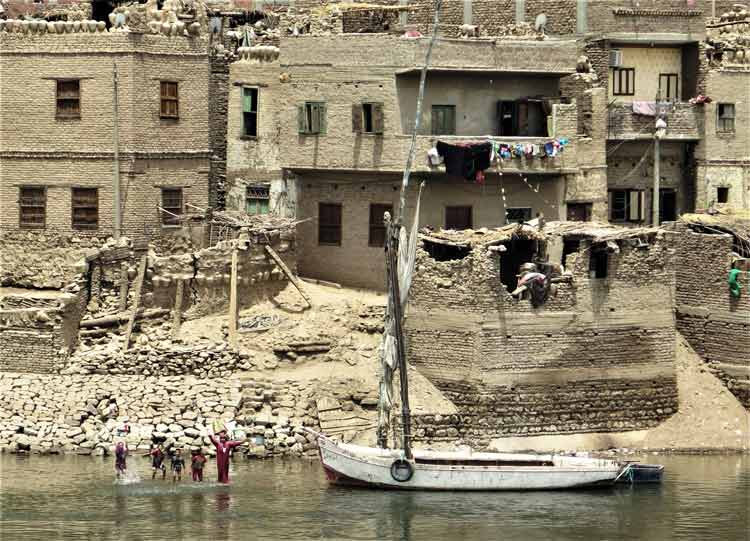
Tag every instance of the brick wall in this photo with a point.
(716, 324)
(598, 357)
(41, 150)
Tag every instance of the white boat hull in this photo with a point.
(371, 467)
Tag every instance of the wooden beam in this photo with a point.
(123, 286)
(137, 302)
(177, 312)
(233, 308)
(293, 279)
(115, 319)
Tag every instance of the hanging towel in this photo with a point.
(646, 108)
(734, 286)
(465, 160)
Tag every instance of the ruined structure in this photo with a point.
(597, 356)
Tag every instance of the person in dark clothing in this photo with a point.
(178, 464)
(157, 462)
(196, 465)
(121, 452)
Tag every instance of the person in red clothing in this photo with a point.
(224, 448)
(196, 465)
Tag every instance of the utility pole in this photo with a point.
(659, 131)
(116, 164)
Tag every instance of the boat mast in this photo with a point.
(392, 247)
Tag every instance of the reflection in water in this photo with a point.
(74, 498)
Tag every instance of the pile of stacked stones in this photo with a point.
(85, 415)
(153, 352)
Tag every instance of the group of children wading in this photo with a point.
(221, 442)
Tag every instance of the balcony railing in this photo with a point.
(684, 122)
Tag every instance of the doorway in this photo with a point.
(579, 212)
(667, 205)
(518, 251)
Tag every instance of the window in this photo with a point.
(458, 218)
(517, 215)
(85, 211)
(725, 117)
(32, 205)
(579, 212)
(250, 112)
(523, 118)
(598, 263)
(377, 227)
(311, 118)
(623, 81)
(367, 118)
(169, 100)
(256, 201)
(69, 99)
(171, 202)
(626, 205)
(668, 86)
(722, 194)
(443, 120)
(329, 224)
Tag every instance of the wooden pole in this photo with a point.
(293, 279)
(116, 158)
(137, 302)
(392, 264)
(177, 312)
(233, 308)
(123, 286)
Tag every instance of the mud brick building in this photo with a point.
(57, 129)
(597, 356)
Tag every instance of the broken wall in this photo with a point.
(716, 324)
(597, 357)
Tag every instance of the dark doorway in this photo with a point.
(579, 212)
(598, 264)
(458, 218)
(518, 252)
(722, 194)
(667, 205)
(570, 246)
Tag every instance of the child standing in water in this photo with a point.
(196, 465)
(157, 462)
(178, 464)
(121, 451)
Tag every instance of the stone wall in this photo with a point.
(716, 324)
(598, 356)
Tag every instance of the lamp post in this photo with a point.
(659, 132)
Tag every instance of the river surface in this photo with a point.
(701, 498)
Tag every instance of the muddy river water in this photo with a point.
(701, 498)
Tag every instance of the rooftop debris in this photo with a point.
(253, 222)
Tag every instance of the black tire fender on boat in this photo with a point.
(402, 470)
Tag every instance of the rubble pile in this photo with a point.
(522, 30)
(728, 40)
(156, 354)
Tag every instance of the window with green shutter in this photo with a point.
(250, 112)
(257, 199)
(443, 120)
(311, 118)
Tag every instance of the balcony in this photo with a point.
(684, 123)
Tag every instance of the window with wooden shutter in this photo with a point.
(626, 205)
(257, 200)
(669, 86)
(623, 81)
(68, 99)
(377, 226)
(169, 100)
(329, 224)
(458, 217)
(725, 121)
(32, 207)
(443, 120)
(85, 208)
(171, 202)
(311, 118)
(367, 118)
(250, 112)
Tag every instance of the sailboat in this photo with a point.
(404, 468)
